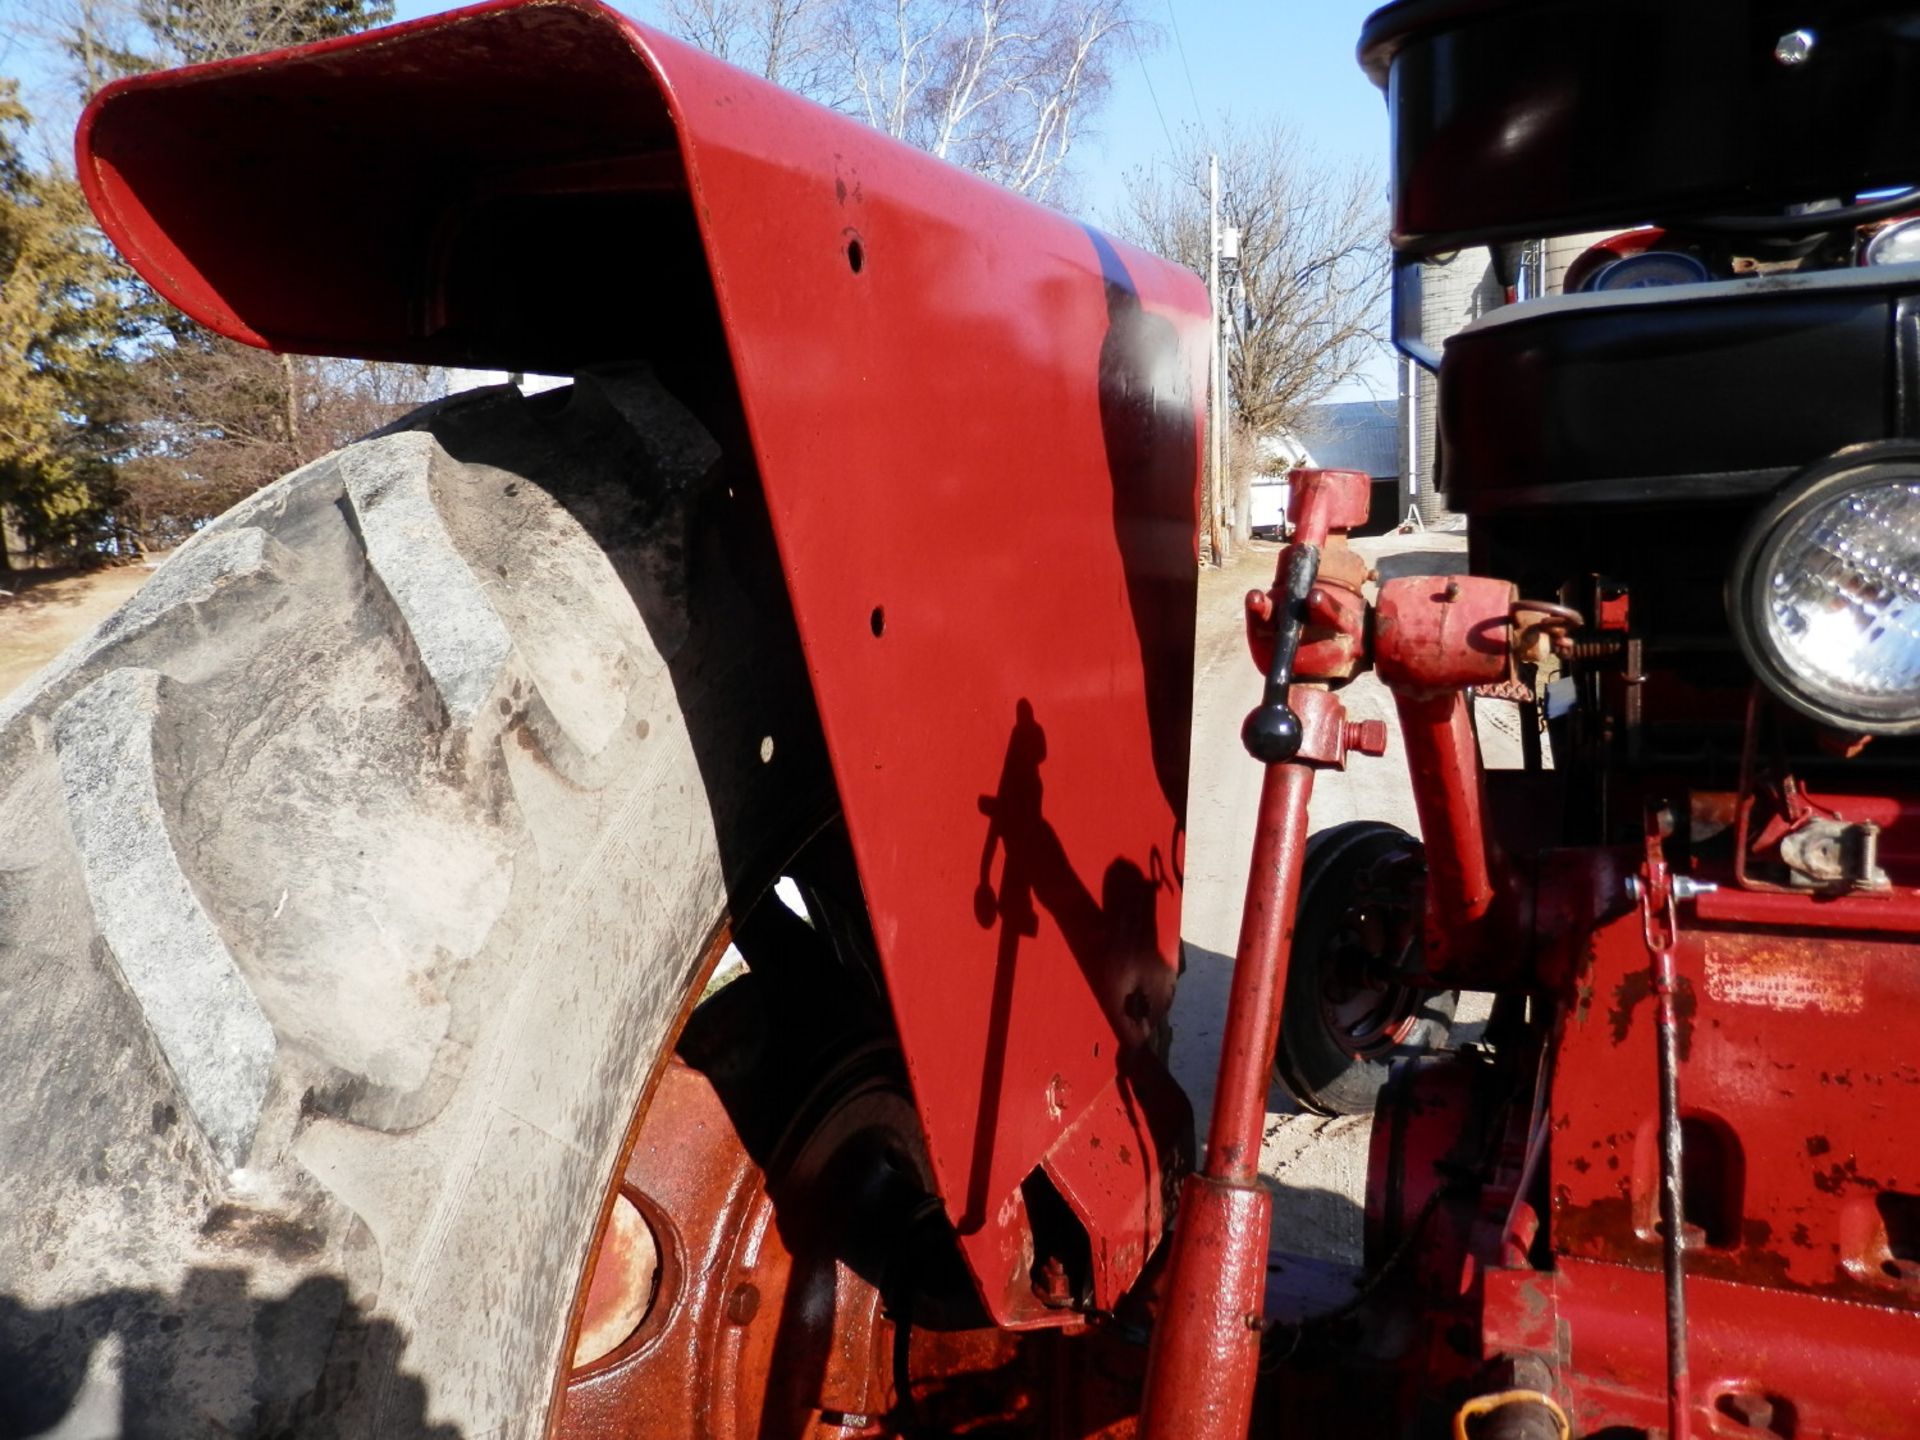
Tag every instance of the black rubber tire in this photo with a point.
(1321, 1073)
(353, 879)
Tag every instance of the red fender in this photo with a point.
(978, 428)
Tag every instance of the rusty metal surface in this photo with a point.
(759, 1325)
(1820, 1366)
(1796, 1052)
(899, 349)
(1439, 634)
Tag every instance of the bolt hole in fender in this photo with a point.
(1347, 1013)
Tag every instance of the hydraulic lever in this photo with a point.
(1206, 1345)
(1272, 731)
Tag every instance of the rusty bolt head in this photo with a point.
(744, 1303)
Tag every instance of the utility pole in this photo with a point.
(1229, 263)
(1216, 476)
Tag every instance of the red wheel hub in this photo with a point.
(751, 1320)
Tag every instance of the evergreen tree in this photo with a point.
(137, 424)
(64, 320)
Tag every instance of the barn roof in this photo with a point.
(1355, 435)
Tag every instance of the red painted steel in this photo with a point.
(1434, 636)
(1437, 634)
(1438, 733)
(1821, 1367)
(1206, 1347)
(977, 425)
(1207, 1344)
(1785, 1038)
(1252, 1024)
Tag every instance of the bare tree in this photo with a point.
(790, 42)
(1002, 87)
(998, 86)
(206, 422)
(1310, 309)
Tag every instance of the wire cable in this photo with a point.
(1181, 45)
(1172, 149)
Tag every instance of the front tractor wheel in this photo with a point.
(1348, 1013)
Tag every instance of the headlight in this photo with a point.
(1825, 595)
(1897, 244)
(1648, 270)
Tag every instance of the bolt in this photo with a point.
(1794, 48)
(1369, 737)
(1748, 1409)
(1685, 887)
(1050, 1284)
(744, 1303)
(1632, 886)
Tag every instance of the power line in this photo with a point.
(1193, 94)
(1172, 149)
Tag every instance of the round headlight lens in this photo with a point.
(1649, 270)
(1833, 599)
(1897, 244)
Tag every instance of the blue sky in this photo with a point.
(1293, 58)
(1290, 58)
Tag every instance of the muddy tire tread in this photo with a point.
(351, 876)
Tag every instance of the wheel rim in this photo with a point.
(1365, 1009)
(751, 1299)
(784, 1249)
(763, 1320)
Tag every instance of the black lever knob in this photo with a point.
(1272, 731)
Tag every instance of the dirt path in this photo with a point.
(45, 615)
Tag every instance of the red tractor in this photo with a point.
(542, 923)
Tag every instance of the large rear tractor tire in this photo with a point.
(1346, 1015)
(355, 878)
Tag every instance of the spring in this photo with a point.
(1595, 649)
